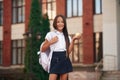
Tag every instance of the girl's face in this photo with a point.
(60, 24)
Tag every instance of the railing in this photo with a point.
(98, 69)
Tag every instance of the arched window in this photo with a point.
(18, 52)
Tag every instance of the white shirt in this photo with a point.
(60, 45)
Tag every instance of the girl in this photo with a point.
(61, 44)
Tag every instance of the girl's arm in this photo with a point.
(46, 43)
(71, 46)
(72, 43)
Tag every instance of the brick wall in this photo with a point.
(61, 7)
(7, 32)
(88, 42)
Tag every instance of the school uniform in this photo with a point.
(59, 63)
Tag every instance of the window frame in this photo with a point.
(79, 12)
(100, 7)
(18, 11)
(15, 55)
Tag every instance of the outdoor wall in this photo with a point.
(17, 31)
(110, 42)
(98, 27)
(74, 25)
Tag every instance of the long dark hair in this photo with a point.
(65, 32)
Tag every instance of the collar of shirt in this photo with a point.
(58, 32)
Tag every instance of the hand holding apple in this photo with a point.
(77, 36)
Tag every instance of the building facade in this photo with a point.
(91, 18)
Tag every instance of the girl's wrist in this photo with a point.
(49, 43)
(73, 39)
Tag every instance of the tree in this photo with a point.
(46, 24)
(37, 24)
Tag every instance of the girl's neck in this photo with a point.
(60, 31)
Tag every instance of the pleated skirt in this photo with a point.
(60, 64)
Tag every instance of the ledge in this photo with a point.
(12, 69)
(84, 67)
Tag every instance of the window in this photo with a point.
(98, 38)
(17, 52)
(1, 13)
(98, 7)
(50, 7)
(74, 8)
(18, 11)
(0, 52)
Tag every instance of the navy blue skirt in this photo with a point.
(60, 64)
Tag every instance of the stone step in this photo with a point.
(110, 78)
(84, 72)
(111, 75)
(82, 75)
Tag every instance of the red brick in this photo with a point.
(61, 7)
(7, 32)
(88, 42)
(27, 13)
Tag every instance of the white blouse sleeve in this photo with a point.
(48, 36)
